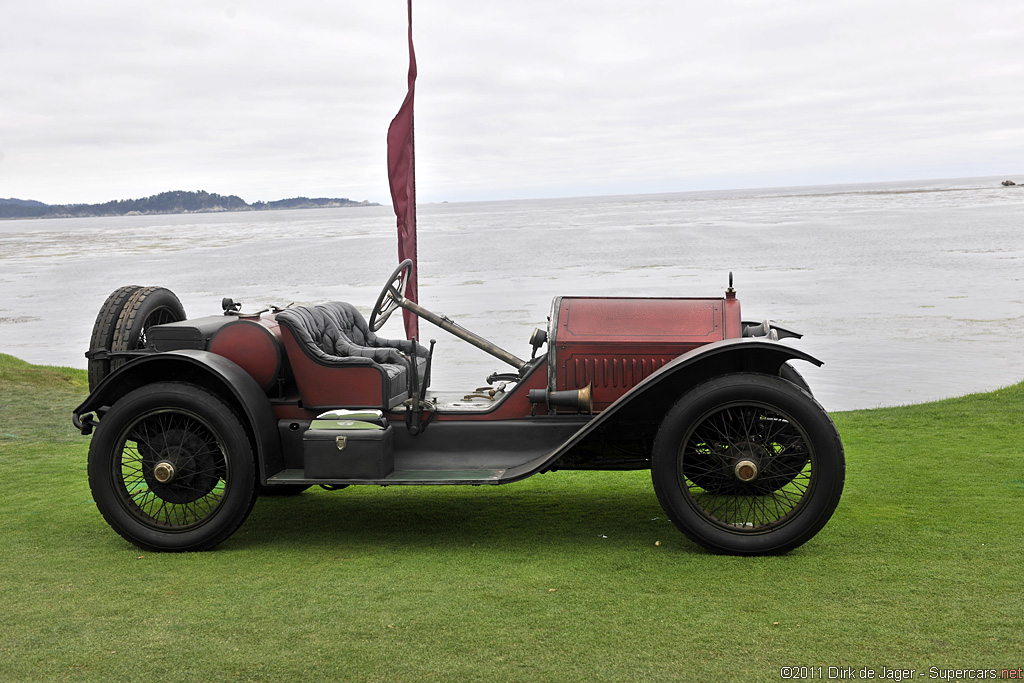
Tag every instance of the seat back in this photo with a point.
(330, 369)
(337, 330)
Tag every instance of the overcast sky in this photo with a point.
(114, 99)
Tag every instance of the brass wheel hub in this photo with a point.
(745, 470)
(163, 472)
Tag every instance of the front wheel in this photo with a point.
(748, 464)
(171, 468)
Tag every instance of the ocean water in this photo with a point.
(908, 292)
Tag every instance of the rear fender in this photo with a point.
(648, 401)
(208, 370)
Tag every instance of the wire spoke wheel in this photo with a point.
(748, 464)
(172, 470)
(746, 468)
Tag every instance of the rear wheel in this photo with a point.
(103, 332)
(748, 464)
(146, 307)
(171, 468)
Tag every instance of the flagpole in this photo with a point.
(402, 178)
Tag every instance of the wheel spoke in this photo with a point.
(740, 434)
(188, 445)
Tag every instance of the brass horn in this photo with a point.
(580, 399)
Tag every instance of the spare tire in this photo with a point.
(146, 307)
(103, 332)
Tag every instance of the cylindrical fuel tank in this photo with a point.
(255, 345)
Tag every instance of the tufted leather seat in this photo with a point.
(335, 334)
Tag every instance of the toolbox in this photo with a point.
(348, 449)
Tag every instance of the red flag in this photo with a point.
(402, 177)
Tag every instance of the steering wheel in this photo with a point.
(391, 296)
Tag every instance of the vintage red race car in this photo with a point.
(194, 419)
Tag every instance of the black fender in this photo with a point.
(649, 400)
(208, 370)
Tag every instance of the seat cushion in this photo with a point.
(335, 334)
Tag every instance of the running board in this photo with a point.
(398, 477)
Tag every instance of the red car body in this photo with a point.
(625, 383)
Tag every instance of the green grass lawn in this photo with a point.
(555, 578)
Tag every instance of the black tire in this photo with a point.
(103, 332)
(790, 374)
(748, 464)
(146, 307)
(172, 469)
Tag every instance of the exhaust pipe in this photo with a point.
(580, 399)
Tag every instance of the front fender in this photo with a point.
(213, 372)
(728, 356)
(649, 400)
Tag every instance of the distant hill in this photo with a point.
(19, 202)
(163, 203)
(307, 203)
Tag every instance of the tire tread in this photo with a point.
(128, 325)
(103, 331)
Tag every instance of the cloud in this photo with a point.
(115, 99)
